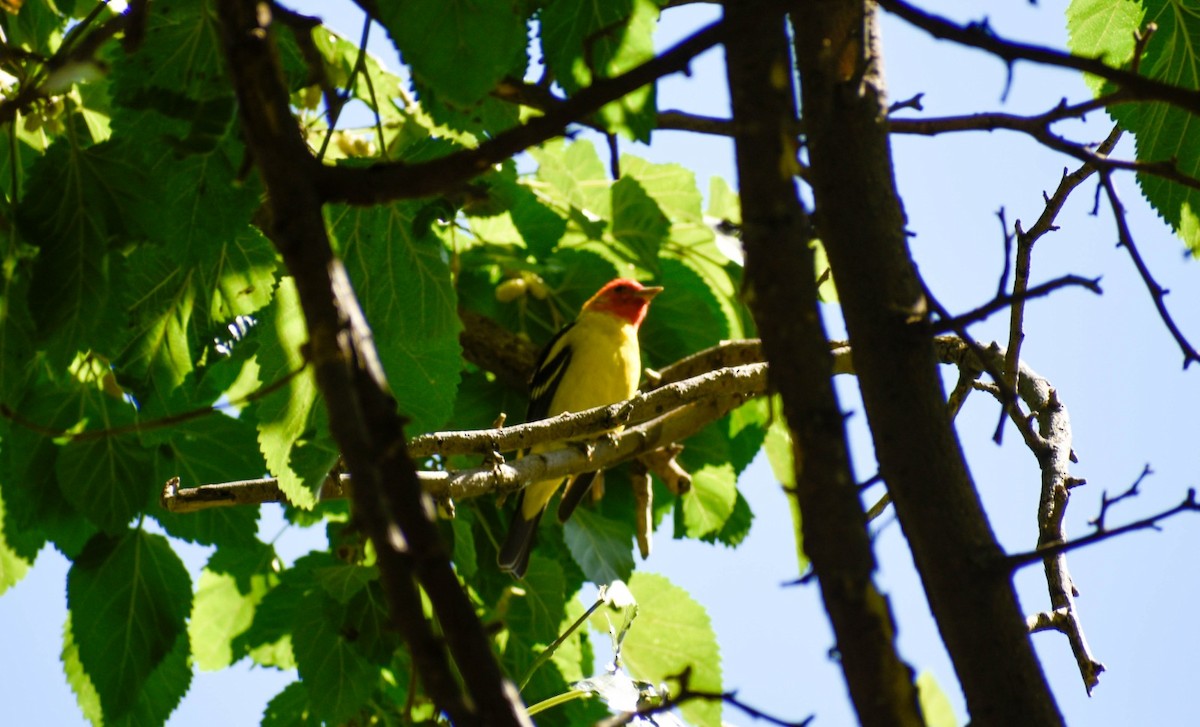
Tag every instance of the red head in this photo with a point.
(624, 298)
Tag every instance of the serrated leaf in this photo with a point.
(289, 708)
(585, 40)
(708, 506)
(288, 417)
(462, 48)
(600, 545)
(76, 201)
(737, 525)
(344, 580)
(35, 508)
(106, 478)
(1103, 29)
(227, 595)
(129, 597)
(576, 177)
(672, 633)
(12, 566)
(180, 53)
(1163, 133)
(338, 678)
(402, 278)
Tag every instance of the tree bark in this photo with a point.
(861, 222)
(388, 503)
(783, 296)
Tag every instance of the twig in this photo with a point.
(1001, 302)
(687, 694)
(1157, 292)
(1025, 241)
(1106, 502)
(1019, 560)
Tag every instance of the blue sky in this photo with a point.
(1113, 363)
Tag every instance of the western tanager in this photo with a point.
(593, 361)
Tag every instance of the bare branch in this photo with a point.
(980, 36)
(1019, 560)
(1001, 302)
(1157, 292)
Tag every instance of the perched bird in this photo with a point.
(593, 361)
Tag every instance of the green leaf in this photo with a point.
(637, 220)
(213, 448)
(344, 580)
(292, 415)
(376, 89)
(227, 595)
(461, 48)
(338, 677)
(17, 332)
(129, 597)
(586, 40)
(180, 54)
(1164, 133)
(600, 545)
(196, 198)
(35, 508)
(403, 282)
(289, 708)
(778, 448)
(685, 318)
(710, 503)
(465, 562)
(575, 175)
(268, 640)
(76, 202)
(106, 479)
(12, 566)
(935, 705)
(672, 633)
(1104, 29)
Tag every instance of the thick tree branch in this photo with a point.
(861, 223)
(389, 504)
(783, 296)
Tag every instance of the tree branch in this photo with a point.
(1157, 292)
(979, 36)
(776, 232)
(388, 502)
(1049, 550)
(386, 181)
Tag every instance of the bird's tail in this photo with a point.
(577, 487)
(514, 554)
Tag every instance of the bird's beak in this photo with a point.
(649, 291)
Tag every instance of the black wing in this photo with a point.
(547, 375)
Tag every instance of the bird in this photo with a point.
(593, 361)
